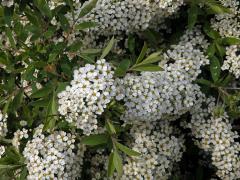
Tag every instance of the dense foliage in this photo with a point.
(119, 89)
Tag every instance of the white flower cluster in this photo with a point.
(54, 156)
(114, 17)
(160, 149)
(228, 24)
(232, 62)
(18, 136)
(7, 3)
(3, 124)
(91, 90)
(214, 135)
(155, 95)
(2, 150)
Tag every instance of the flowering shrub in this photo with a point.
(119, 89)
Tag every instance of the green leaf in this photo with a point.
(42, 92)
(8, 14)
(52, 57)
(146, 67)
(87, 58)
(122, 68)
(64, 22)
(24, 173)
(51, 113)
(227, 80)
(221, 50)
(127, 150)
(111, 166)
(6, 106)
(215, 68)
(40, 103)
(131, 43)
(117, 161)
(154, 57)
(231, 41)
(211, 50)
(42, 5)
(192, 15)
(85, 25)
(2, 166)
(75, 46)
(18, 100)
(87, 8)
(61, 86)
(215, 6)
(91, 51)
(211, 32)
(108, 48)
(95, 139)
(111, 127)
(10, 37)
(142, 54)
(204, 82)
(219, 9)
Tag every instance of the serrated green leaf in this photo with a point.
(127, 150)
(231, 41)
(220, 49)
(87, 8)
(87, 58)
(152, 58)
(51, 113)
(215, 68)
(211, 50)
(42, 92)
(122, 68)
(40, 103)
(192, 15)
(18, 100)
(10, 37)
(91, 51)
(95, 139)
(108, 48)
(204, 82)
(211, 32)
(131, 43)
(111, 127)
(75, 46)
(111, 166)
(52, 57)
(2, 166)
(42, 5)
(117, 161)
(64, 22)
(85, 25)
(146, 67)
(142, 53)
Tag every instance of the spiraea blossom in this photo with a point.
(160, 149)
(160, 146)
(228, 24)
(232, 61)
(91, 89)
(3, 124)
(169, 93)
(215, 136)
(18, 136)
(54, 156)
(114, 17)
